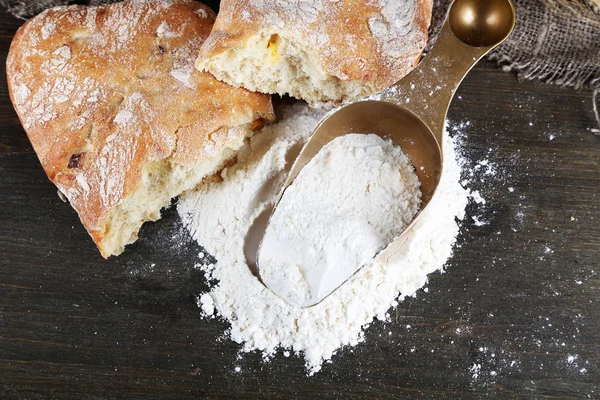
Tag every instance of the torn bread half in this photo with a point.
(319, 51)
(118, 115)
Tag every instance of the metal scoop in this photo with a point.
(412, 112)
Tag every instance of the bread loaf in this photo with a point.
(320, 51)
(118, 116)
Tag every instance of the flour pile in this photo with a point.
(219, 215)
(345, 206)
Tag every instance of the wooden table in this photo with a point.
(516, 314)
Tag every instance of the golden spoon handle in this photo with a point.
(472, 29)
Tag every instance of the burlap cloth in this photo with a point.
(555, 41)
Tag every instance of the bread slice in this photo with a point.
(319, 51)
(118, 116)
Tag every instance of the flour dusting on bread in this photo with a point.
(118, 116)
(320, 51)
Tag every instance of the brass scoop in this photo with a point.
(413, 111)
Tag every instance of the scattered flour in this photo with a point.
(350, 201)
(262, 321)
(48, 30)
(185, 76)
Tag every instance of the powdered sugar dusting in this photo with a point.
(124, 117)
(392, 25)
(90, 19)
(164, 31)
(58, 61)
(48, 30)
(184, 75)
(201, 12)
(21, 94)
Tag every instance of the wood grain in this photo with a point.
(516, 314)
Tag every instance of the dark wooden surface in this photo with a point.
(516, 315)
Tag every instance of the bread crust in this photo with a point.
(104, 91)
(375, 41)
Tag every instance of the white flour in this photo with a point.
(218, 216)
(350, 201)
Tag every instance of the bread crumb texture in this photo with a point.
(118, 115)
(320, 51)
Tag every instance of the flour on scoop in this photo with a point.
(346, 205)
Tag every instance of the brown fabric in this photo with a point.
(556, 41)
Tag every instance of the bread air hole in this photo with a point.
(257, 124)
(75, 160)
(272, 46)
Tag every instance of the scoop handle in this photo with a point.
(471, 30)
